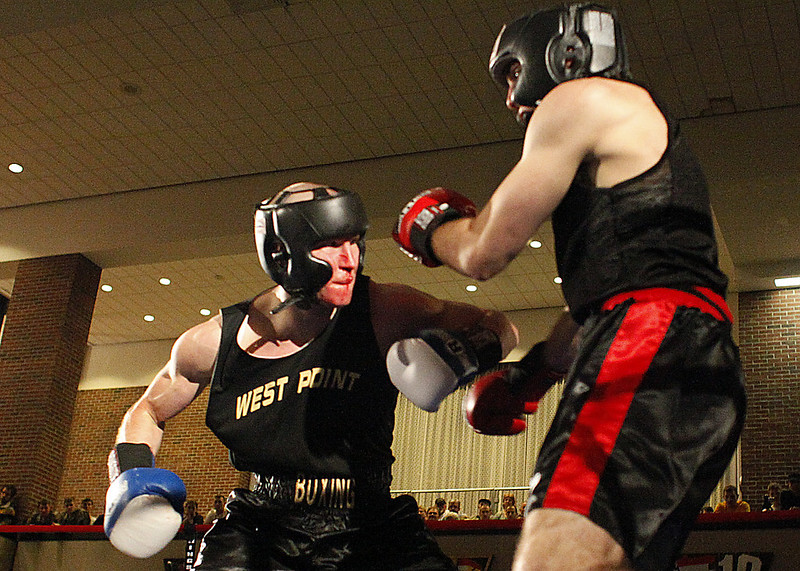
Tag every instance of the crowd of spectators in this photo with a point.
(44, 515)
(443, 510)
(71, 514)
(777, 498)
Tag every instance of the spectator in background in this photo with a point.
(433, 513)
(790, 498)
(484, 511)
(87, 505)
(44, 515)
(217, 511)
(511, 512)
(732, 503)
(453, 511)
(772, 501)
(484, 503)
(190, 516)
(441, 506)
(8, 505)
(508, 500)
(71, 515)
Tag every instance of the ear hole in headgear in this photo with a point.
(277, 253)
(558, 44)
(568, 51)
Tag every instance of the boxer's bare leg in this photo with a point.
(554, 540)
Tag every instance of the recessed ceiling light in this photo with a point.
(471, 287)
(535, 244)
(148, 317)
(205, 311)
(15, 168)
(106, 287)
(165, 281)
(557, 279)
(787, 282)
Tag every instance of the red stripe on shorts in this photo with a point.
(577, 475)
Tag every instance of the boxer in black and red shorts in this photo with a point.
(649, 419)
(654, 399)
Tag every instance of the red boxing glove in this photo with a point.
(422, 215)
(497, 402)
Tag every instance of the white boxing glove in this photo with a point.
(143, 504)
(429, 367)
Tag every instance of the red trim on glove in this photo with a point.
(409, 218)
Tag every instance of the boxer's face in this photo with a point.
(521, 112)
(343, 256)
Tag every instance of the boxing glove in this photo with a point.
(497, 402)
(425, 213)
(432, 365)
(144, 505)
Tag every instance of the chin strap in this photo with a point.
(302, 301)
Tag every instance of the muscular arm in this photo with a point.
(183, 377)
(612, 125)
(400, 312)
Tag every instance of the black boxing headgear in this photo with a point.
(287, 231)
(558, 44)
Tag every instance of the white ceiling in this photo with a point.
(148, 129)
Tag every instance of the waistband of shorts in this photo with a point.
(333, 492)
(702, 298)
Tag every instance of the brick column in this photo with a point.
(41, 360)
(769, 336)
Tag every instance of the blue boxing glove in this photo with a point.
(432, 365)
(144, 505)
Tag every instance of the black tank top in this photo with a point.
(654, 230)
(326, 410)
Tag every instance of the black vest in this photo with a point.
(654, 230)
(326, 410)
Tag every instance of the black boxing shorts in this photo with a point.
(650, 417)
(264, 532)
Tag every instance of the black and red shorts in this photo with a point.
(650, 417)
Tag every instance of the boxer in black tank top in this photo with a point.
(301, 396)
(654, 399)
